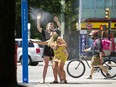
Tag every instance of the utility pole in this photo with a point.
(62, 18)
(107, 16)
(80, 14)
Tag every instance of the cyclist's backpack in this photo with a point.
(106, 46)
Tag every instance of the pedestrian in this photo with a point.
(60, 54)
(58, 44)
(97, 54)
(48, 53)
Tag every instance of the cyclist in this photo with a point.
(97, 54)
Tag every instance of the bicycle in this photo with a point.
(76, 67)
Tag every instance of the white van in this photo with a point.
(34, 52)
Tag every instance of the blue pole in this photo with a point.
(24, 14)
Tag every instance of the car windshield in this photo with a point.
(20, 44)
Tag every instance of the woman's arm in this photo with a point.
(38, 23)
(40, 42)
(57, 22)
(61, 42)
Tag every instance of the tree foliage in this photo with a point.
(51, 6)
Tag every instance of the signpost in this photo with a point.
(24, 14)
(83, 35)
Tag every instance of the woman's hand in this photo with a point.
(56, 19)
(38, 16)
(53, 46)
(30, 41)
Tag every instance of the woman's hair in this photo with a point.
(53, 39)
(57, 31)
(47, 26)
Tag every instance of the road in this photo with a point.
(35, 76)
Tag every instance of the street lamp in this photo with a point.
(29, 27)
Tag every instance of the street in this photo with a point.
(35, 77)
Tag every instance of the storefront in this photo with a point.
(101, 27)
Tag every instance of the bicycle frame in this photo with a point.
(79, 62)
(82, 58)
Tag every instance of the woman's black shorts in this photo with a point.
(48, 51)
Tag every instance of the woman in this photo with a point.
(48, 53)
(58, 45)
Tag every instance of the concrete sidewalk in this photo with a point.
(81, 82)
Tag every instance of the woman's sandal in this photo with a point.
(65, 81)
(54, 82)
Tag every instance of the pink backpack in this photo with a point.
(106, 46)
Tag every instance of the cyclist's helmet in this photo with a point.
(94, 32)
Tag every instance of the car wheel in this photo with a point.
(34, 63)
(29, 60)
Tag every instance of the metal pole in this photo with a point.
(24, 14)
(109, 27)
(80, 14)
(62, 18)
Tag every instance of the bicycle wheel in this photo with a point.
(75, 68)
(111, 67)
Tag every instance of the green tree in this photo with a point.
(51, 6)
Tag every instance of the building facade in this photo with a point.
(92, 17)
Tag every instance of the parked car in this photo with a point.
(34, 52)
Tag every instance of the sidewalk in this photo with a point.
(81, 82)
(35, 78)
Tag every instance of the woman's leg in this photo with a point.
(45, 66)
(55, 70)
(61, 71)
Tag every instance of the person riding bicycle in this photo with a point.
(97, 54)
